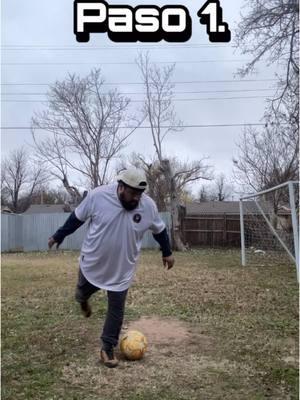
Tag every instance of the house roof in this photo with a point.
(226, 207)
(48, 209)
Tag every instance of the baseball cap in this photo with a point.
(134, 178)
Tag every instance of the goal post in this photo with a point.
(269, 225)
(295, 221)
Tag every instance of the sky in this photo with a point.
(38, 47)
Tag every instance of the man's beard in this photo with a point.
(128, 205)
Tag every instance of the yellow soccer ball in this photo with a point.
(133, 345)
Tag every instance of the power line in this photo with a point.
(142, 93)
(141, 101)
(142, 83)
(166, 45)
(122, 62)
(70, 48)
(149, 127)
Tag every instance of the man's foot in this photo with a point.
(108, 358)
(86, 309)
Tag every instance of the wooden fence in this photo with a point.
(212, 230)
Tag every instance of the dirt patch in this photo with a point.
(169, 337)
(161, 331)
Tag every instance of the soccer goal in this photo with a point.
(270, 226)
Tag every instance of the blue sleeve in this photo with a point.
(162, 239)
(70, 226)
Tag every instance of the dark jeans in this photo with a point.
(115, 310)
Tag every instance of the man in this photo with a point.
(119, 215)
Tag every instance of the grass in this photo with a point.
(243, 325)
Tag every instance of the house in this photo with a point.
(48, 209)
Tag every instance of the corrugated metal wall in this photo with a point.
(31, 232)
(12, 232)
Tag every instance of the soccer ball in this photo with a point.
(133, 345)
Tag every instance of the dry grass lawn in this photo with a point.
(215, 331)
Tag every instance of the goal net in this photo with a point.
(270, 226)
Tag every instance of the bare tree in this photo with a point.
(159, 110)
(221, 189)
(220, 185)
(266, 159)
(218, 190)
(270, 31)
(203, 194)
(286, 118)
(20, 177)
(87, 130)
(46, 195)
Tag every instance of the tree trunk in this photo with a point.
(177, 243)
(73, 192)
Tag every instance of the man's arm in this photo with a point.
(162, 239)
(70, 226)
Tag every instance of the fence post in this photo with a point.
(225, 230)
(243, 250)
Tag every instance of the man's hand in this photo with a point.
(168, 262)
(51, 242)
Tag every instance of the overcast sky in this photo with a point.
(38, 33)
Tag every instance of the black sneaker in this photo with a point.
(108, 358)
(86, 309)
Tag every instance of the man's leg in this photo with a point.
(84, 290)
(112, 326)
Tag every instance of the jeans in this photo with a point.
(115, 310)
